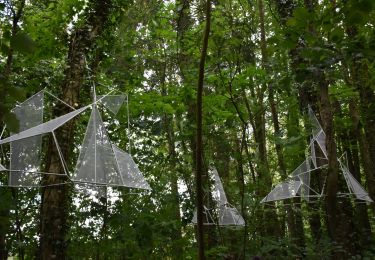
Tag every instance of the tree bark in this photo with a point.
(355, 146)
(55, 199)
(199, 134)
(176, 236)
(4, 76)
(367, 107)
(291, 221)
(359, 76)
(4, 88)
(273, 226)
(339, 226)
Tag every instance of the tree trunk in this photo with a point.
(176, 236)
(355, 136)
(199, 112)
(4, 76)
(273, 226)
(367, 107)
(4, 89)
(55, 199)
(359, 79)
(339, 227)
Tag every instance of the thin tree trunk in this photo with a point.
(4, 89)
(199, 112)
(240, 146)
(291, 221)
(176, 235)
(4, 76)
(273, 226)
(354, 166)
(55, 199)
(339, 226)
(359, 79)
(367, 107)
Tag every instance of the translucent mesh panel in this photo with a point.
(302, 168)
(305, 181)
(112, 102)
(283, 190)
(355, 187)
(321, 140)
(2, 168)
(25, 157)
(91, 190)
(207, 217)
(96, 162)
(131, 176)
(218, 193)
(302, 174)
(46, 127)
(229, 216)
(316, 127)
(194, 220)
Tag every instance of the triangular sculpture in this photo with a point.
(99, 163)
(96, 162)
(229, 216)
(112, 102)
(298, 183)
(284, 190)
(102, 163)
(226, 214)
(25, 146)
(25, 156)
(130, 174)
(353, 185)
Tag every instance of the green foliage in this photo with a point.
(22, 42)
(148, 52)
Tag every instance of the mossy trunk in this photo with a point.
(56, 198)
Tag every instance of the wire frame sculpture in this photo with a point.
(223, 214)
(298, 182)
(100, 162)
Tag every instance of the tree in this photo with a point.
(55, 200)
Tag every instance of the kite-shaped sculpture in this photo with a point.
(100, 162)
(226, 214)
(298, 182)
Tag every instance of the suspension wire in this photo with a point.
(128, 115)
(62, 101)
(2, 132)
(65, 167)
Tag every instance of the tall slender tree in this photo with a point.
(55, 199)
(199, 134)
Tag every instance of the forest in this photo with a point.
(178, 129)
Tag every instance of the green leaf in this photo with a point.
(364, 6)
(4, 48)
(291, 22)
(22, 42)
(11, 121)
(337, 34)
(302, 14)
(17, 93)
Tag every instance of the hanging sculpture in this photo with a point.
(298, 182)
(100, 162)
(224, 213)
